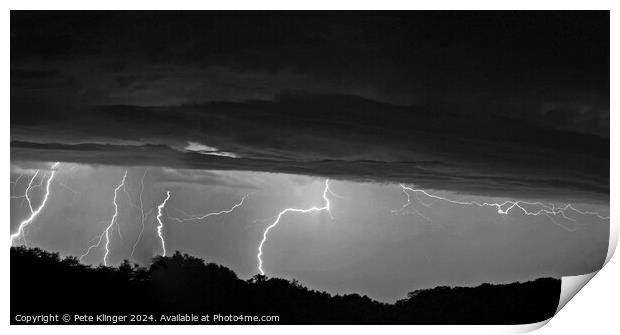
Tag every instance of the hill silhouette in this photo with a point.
(43, 283)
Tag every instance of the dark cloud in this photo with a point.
(499, 63)
(309, 40)
(494, 102)
(337, 136)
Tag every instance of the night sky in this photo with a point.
(214, 106)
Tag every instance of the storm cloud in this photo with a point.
(483, 103)
(342, 137)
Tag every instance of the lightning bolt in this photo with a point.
(142, 214)
(202, 217)
(26, 194)
(34, 212)
(106, 232)
(292, 210)
(408, 204)
(37, 185)
(68, 188)
(132, 204)
(16, 181)
(550, 211)
(161, 224)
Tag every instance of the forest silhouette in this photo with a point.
(42, 282)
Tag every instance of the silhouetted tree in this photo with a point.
(43, 283)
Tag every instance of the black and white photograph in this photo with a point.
(305, 167)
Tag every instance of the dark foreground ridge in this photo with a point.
(42, 283)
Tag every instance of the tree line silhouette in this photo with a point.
(42, 282)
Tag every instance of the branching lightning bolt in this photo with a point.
(409, 204)
(68, 188)
(16, 181)
(142, 214)
(131, 203)
(26, 194)
(106, 232)
(161, 224)
(326, 208)
(548, 210)
(34, 212)
(202, 217)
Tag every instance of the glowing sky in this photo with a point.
(366, 247)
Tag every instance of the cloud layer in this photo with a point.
(336, 136)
